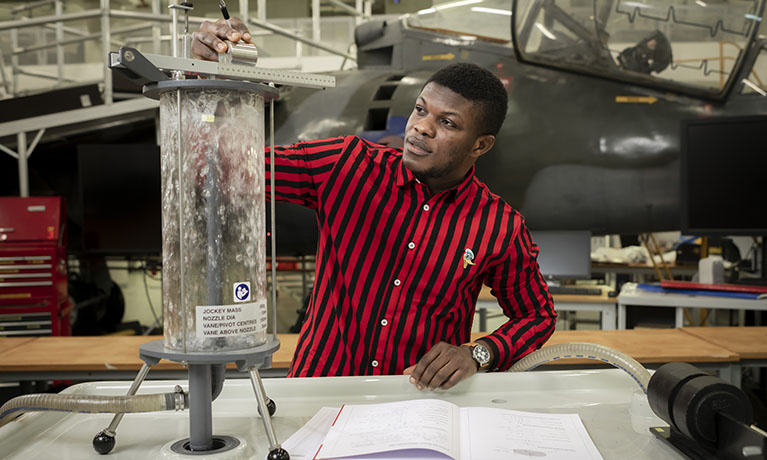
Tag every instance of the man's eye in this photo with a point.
(448, 123)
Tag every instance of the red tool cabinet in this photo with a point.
(33, 267)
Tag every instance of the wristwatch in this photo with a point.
(480, 354)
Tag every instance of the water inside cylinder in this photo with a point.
(214, 235)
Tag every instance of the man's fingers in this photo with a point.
(408, 371)
(201, 50)
(457, 376)
(240, 27)
(438, 372)
(209, 40)
(429, 365)
(443, 366)
(416, 376)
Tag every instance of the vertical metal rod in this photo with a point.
(300, 53)
(106, 39)
(274, 216)
(112, 428)
(368, 8)
(6, 83)
(14, 59)
(174, 31)
(59, 6)
(244, 11)
(180, 193)
(261, 10)
(258, 387)
(21, 140)
(200, 409)
(213, 275)
(187, 43)
(316, 21)
(358, 5)
(156, 28)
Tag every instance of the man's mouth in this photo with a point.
(417, 147)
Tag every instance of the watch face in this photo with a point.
(481, 355)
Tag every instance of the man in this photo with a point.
(408, 237)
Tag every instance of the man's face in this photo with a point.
(442, 137)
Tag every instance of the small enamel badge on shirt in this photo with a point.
(468, 258)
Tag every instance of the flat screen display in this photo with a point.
(121, 201)
(723, 176)
(564, 254)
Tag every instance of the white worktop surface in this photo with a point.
(602, 398)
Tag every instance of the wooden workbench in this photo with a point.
(116, 357)
(652, 348)
(9, 343)
(750, 343)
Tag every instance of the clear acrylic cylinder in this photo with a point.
(214, 235)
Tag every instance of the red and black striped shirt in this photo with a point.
(394, 275)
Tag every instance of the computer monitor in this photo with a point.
(564, 254)
(723, 175)
(121, 200)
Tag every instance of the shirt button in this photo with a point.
(384, 322)
(426, 207)
(374, 363)
(411, 245)
(397, 282)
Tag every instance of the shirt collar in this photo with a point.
(458, 192)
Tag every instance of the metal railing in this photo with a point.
(155, 23)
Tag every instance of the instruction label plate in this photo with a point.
(231, 320)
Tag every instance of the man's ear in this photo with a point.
(483, 143)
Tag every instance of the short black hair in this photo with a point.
(479, 86)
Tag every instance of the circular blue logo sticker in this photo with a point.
(242, 292)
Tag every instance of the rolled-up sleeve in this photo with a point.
(516, 281)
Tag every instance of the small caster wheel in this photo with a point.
(103, 443)
(278, 454)
(271, 405)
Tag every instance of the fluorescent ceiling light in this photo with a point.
(699, 2)
(482, 9)
(545, 31)
(445, 6)
(754, 86)
(637, 4)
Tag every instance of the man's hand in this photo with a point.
(442, 367)
(208, 40)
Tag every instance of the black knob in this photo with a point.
(270, 404)
(103, 443)
(187, 4)
(278, 454)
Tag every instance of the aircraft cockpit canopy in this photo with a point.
(698, 47)
(703, 48)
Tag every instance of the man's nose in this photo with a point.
(424, 127)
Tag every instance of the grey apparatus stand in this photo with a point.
(206, 369)
(206, 377)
